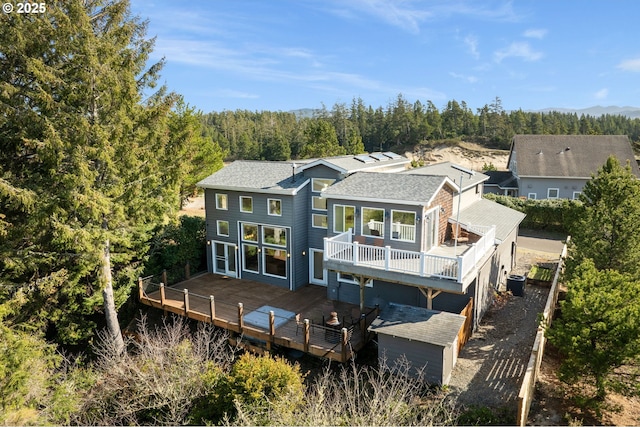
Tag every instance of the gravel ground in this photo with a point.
(491, 366)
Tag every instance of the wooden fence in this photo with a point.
(525, 397)
(466, 329)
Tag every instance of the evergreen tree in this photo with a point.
(92, 156)
(607, 225)
(321, 140)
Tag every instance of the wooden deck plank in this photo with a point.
(311, 301)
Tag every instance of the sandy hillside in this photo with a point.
(468, 155)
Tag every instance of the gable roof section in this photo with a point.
(501, 179)
(487, 213)
(256, 177)
(568, 156)
(350, 164)
(448, 169)
(418, 324)
(388, 188)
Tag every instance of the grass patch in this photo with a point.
(542, 274)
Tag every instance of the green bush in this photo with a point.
(258, 385)
(547, 214)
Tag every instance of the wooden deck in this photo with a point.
(242, 307)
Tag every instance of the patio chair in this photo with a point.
(300, 323)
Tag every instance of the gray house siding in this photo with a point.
(301, 215)
(540, 186)
(433, 358)
(259, 216)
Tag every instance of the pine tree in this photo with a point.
(91, 153)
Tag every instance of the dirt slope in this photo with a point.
(466, 154)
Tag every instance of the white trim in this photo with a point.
(313, 181)
(557, 196)
(226, 197)
(313, 225)
(313, 198)
(242, 224)
(554, 177)
(274, 244)
(269, 206)
(244, 259)
(287, 257)
(228, 246)
(415, 229)
(576, 195)
(362, 223)
(240, 201)
(325, 272)
(340, 279)
(343, 219)
(535, 196)
(218, 227)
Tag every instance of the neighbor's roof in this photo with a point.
(256, 176)
(418, 324)
(502, 179)
(450, 170)
(577, 156)
(363, 162)
(485, 212)
(388, 187)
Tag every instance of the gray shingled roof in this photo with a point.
(569, 155)
(487, 213)
(418, 324)
(503, 179)
(349, 164)
(392, 187)
(257, 176)
(448, 169)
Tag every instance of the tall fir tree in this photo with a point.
(92, 154)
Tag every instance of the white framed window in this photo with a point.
(222, 227)
(274, 207)
(344, 218)
(246, 204)
(319, 203)
(250, 232)
(319, 221)
(553, 193)
(250, 257)
(372, 222)
(274, 262)
(221, 201)
(276, 236)
(348, 278)
(532, 196)
(320, 184)
(576, 195)
(403, 226)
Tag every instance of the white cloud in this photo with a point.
(468, 79)
(517, 50)
(472, 44)
(602, 93)
(630, 65)
(535, 33)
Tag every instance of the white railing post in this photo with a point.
(355, 253)
(387, 257)
(460, 265)
(325, 253)
(421, 268)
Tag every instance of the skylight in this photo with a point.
(364, 158)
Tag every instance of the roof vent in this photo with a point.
(567, 149)
(539, 152)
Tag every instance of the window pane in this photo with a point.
(275, 207)
(319, 203)
(344, 217)
(251, 258)
(319, 184)
(319, 221)
(250, 232)
(403, 225)
(221, 201)
(275, 262)
(246, 204)
(223, 228)
(274, 236)
(373, 222)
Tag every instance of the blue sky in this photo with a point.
(282, 55)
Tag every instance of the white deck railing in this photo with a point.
(342, 248)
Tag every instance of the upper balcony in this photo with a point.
(452, 265)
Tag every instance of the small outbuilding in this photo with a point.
(427, 338)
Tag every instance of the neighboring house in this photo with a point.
(369, 230)
(501, 182)
(558, 166)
